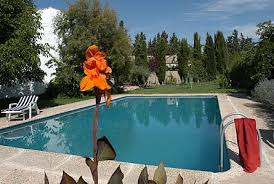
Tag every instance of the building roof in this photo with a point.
(171, 59)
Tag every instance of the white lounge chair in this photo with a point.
(26, 103)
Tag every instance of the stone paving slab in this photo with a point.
(28, 166)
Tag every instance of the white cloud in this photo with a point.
(248, 30)
(236, 5)
(47, 20)
(223, 9)
(198, 15)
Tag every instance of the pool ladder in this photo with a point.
(222, 131)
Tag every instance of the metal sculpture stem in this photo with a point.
(94, 142)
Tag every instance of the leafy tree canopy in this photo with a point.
(88, 22)
(258, 61)
(19, 50)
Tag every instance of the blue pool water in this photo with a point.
(181, 131)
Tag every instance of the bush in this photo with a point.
(197, 71)
(264, 91)
(223, 82)
(139, 75)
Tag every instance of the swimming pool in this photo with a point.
(181, 131)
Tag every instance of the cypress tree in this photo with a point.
(209, 59)
(149, 47)
(233, 42)
(183, 58)
(221, 52)
(246, 44)
(197, 54)
(164, 35)
(141, 68)
(173, 45)
(140, 50)
(161, 49)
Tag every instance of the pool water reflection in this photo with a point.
(181, 131)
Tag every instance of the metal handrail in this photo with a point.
(222, 130)
(229, 115)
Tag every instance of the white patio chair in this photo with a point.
(26, 103)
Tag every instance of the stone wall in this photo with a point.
(172, 77)
(152, 80)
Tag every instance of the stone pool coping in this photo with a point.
(28, 166)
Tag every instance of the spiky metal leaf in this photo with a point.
(117, 177)
(207, 182)
(67, 179)
(179, 180)
(105, 150)
(143, 178)
(81, 181)
(46, 180)
(160, 174)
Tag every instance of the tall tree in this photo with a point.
(263, 62)
(183, 58)
(209, 59)
(19, 50)
(233, 42)
(266, 31)
(87, 22)
(161, 50)
(153, 63)
(153, 45)
(257, 59)
(221, 53)
(120, 56)
(246, 43)
(164, 35)
(149, 47)
(141, 61)
(238, 48)
(140, 50)
(174, 45)
(197, 52)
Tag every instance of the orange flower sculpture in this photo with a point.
(97, 73)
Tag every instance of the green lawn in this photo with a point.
(209, 87)
(51, 102)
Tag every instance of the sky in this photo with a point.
(184, 17)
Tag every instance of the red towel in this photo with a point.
(248, 143)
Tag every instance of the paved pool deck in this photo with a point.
(28, 166)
